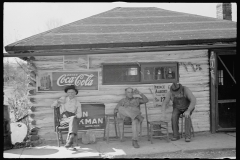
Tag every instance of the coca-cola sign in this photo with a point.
(57, 81)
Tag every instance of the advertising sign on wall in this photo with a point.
(160, 91)
(57, 81)
(93, 116)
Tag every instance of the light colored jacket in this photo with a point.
(70, 105)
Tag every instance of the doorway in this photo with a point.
(226, 91)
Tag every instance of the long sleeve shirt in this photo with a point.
(70, 105)
(132, 102)
(187, 93)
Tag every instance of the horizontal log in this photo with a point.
(189, 79)
(195, 53)
(194, 74)
(45, 120)
(153, 56)
(31, 87)
(53, 65)
(49, 58)
(44, 113)
(54, 69)
(32, 67)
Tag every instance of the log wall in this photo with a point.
(195, 76)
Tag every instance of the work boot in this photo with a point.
(70, 141)
(175, 138)
(135, 144)
(140, 118)
(187, 139)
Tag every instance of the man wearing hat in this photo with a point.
(183, 103)
(71, 112)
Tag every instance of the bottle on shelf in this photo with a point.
(148, 75)
(159, 75)
(169, 75)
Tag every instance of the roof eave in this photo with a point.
(17, 49)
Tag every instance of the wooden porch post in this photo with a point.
(213, 90)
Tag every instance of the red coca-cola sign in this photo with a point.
(57, 81)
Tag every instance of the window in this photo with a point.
(160, 72)
(220, 77)
(121, 73)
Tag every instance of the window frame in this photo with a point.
(160, 64)
(141, 66)
(120, 64)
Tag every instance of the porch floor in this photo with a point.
(115, 148)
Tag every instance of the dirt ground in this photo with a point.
(196, 154)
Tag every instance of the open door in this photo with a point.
(223, 90)
(226, 92)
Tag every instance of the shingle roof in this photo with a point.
(132, 27)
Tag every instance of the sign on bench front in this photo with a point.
(93, 116)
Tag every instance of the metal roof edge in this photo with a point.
(125, 50)
(115, 45)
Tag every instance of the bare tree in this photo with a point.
(53, 23)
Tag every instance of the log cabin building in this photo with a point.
(142, 48)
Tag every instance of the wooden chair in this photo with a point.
(163, 125)
(127, 123)
(192, 130)
(111, 119)
(59, 129)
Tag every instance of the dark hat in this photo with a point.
(71, 87)
(175, 88)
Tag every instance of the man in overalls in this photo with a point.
(183, 103)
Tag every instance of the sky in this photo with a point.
(25, 19)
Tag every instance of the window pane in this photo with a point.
(220, 77)
(132, 71)
(121, 73)
(149, 73)
(170, 72)
(159, 73)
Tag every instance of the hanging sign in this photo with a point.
(57, 81)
